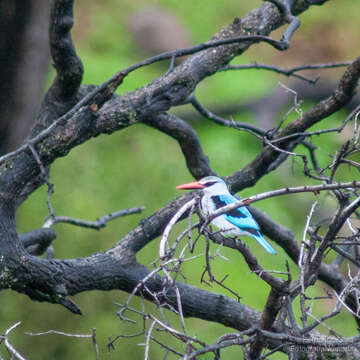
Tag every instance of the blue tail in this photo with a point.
(260, 239)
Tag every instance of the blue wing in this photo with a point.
(242, 218)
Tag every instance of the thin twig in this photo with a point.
(96, 347)
(119, 76)
(147, 342)
(284, 191)
(98, 224)
(164, 239)
(339, 129)
(56, 332)
(221, 121)
(8, 345)
(45, 175)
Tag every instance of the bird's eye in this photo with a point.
(210, 183)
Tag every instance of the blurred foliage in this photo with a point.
(141, 166)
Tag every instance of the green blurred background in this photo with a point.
(140, 166)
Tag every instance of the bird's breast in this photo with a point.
(208, 208)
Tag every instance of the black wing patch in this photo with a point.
(252, 231)
(221, 203)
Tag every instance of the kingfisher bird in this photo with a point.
(237, 222)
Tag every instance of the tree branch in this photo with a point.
(196, 161)
(37, 241)
(67, 64)
(98, 111)
(342, 95)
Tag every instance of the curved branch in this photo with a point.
(286, 7)
(277, 284)
(151, 227)
(112, 270)
(37, 241)
(286, 239)
(287, 72)
(279, 70)
(170, 90)
(55, 280)
(68, 65)
(339, 98)
(337, 222)
(97, 224)
(221, 121)
(292, 190)
(263, 163)
(16, 172)
(196, 161)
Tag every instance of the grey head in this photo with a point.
(211, 180)
(213, 185)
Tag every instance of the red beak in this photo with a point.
(190, 185)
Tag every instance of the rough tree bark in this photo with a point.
(72, 113)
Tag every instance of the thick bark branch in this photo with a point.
(37, 241)
(263, 163)
(172, 89)
(68, 65)
(196, 161)
(55, 280)
(286, 239)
